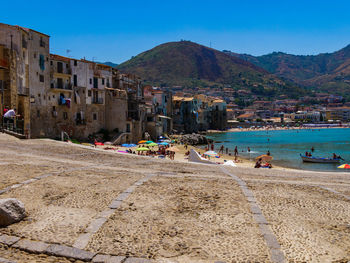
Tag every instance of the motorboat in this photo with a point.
(319, 159)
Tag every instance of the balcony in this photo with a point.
(23, 91)
(97, 100)
(60, 72)
(62, 87)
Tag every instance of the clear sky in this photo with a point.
(106, 30)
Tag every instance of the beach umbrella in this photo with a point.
(148, 142)
(142, 149)
(152, 144)
(264, 157)
(141, 142)
(173, 149)
(164, 143)
(211, 153)
(344, 166)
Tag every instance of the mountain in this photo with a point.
(324, 72)
(189, 64)
(111, 64)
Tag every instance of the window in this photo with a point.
(94, 116)
(108, 83)
(41, 78)
(60, 83)
(51, 63)
(65, 115)
(38, 113)
(89, 93)
(95, 83)
(59, 67)
(34, 55)
(42, 43)
(128, 127)
(53, 108)
(90, 81)
(75, 63)
(75, 80)
(103, 81)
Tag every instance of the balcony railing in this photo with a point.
(67, 71)
(62, 87)
(97, 100)
(12, 125)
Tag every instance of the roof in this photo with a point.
(246, 115)
(218, 101)
(176, 98)
(58, 57)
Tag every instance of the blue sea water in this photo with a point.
(286, 145)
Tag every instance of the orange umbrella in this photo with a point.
(264, 157)
(142, 142)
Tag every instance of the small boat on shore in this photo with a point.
(319, 159)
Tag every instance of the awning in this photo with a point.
(164, 117)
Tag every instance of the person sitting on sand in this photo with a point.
(267, 165)
(258, 163)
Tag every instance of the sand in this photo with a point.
(184, 213)
(203, 221)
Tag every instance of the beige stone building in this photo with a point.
(14, 76)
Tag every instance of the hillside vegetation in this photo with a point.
(189, 64)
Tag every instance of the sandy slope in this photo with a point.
(185, 213)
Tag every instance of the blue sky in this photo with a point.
(106, 30)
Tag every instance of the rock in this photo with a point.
(193, 139)
(11, 211)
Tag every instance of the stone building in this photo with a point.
(14, 75)
(185, 114)
(137, 109)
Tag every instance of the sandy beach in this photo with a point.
(171, 211)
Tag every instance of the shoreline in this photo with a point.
(272, 129)
(181, 158)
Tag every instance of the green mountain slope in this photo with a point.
(328, 72)
(189, 64)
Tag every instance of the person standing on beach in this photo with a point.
(222, 149)
(236, 151)
(212, 146)
(312, 149)
(226, 150)
(248, 149)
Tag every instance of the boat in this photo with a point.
(319, 159)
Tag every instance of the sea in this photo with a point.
(286, 146)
